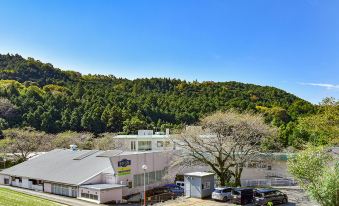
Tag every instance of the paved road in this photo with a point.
(56, 198)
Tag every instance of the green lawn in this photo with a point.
(12, 198)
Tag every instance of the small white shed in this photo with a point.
(199, 184)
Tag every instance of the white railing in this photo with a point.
(269, 182)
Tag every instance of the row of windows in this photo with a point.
(144, 145)
(147, 145)
(60, 190)
(258, 164)
(89, 196)
(150, 178)
(163, 143)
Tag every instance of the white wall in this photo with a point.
(47, 187)
(154, 160)
(88, 191)
(2, 181)
(110, 195)
(278, 168)
(25, 183)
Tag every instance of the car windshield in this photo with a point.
(227, 190)
(258, 194)
(236, 192)
(217, 191)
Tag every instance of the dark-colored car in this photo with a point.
(263, 196)
(242, 196)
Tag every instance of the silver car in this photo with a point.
(222, 193)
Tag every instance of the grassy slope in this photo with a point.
(12, 198)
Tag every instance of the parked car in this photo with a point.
(175, 189)
(263, 196)
(242, 196)
(222, 193)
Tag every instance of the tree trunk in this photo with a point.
(237, 175)
(222, 179)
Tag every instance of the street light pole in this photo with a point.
(144, 167)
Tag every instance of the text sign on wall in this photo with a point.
(123, 167)
(122, 171)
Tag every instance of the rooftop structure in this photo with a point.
(146, 140)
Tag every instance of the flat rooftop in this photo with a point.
(102, 186)
(199, 174)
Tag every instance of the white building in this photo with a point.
(92, 175)
(146, 140)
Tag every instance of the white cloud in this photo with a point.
(327, 86)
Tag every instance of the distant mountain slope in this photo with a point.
(54, 100)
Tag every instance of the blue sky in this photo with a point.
(289, 44)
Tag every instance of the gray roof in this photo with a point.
(63, 166)
(102, 186)
(199, 174)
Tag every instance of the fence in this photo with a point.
(160, 198)
(269, 182)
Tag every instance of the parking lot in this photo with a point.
(296, 196)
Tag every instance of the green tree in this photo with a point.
(323, 127)
(113, 118)
(133, 125)
(318, 173)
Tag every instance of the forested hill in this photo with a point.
(37, 94)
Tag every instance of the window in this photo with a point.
(167, 143)
(144, 145)
(85, 195)
(227, 190)
(93, 197)
(151, 177)
(160, 144)
(133, 146)
(74, 192)
(60, 190)
(208, 185)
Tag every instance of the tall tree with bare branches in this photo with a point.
(224, 142)
(22, 142)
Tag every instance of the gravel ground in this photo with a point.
(296, 197)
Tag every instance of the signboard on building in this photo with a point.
(124, 167)
(122, 171)
(124, 163)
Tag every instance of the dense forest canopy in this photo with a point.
(49, 99)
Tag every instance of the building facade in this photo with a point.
(91, 175)
(145, 140)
